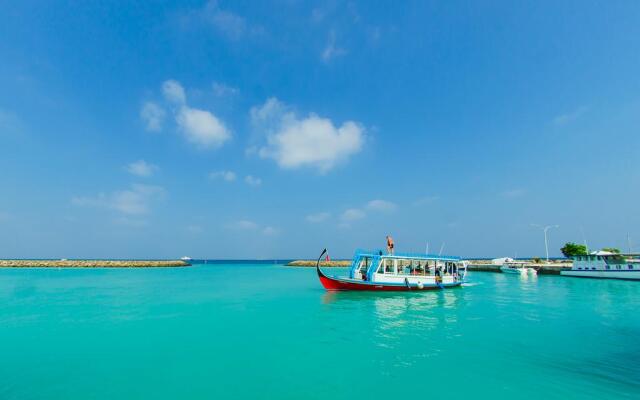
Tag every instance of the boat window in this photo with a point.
(593, 267)
(401, 266)
(598, 258)
(387, 266)
(630, 266)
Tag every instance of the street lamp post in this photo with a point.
(546, 229)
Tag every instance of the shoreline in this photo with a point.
(92, 263)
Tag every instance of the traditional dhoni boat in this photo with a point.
(373, 270)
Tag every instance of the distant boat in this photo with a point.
(607, 265)
(511, 266)
(374, 271)
(185, 258)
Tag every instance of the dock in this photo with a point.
(92, 263)
(553, 267)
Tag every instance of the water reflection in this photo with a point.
(396, 315)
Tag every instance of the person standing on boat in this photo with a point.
(390, 244)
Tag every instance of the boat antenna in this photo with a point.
(629, 242)
(584, 238)
(427, 250)
(441, 248)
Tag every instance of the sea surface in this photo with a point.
(260, 331)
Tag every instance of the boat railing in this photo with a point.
(415, 256)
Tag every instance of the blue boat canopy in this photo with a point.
(406, 256)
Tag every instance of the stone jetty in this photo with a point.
(312, 263)
(92, 263)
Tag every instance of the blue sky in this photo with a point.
(270, 130)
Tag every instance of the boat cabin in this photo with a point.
(374, 266)
(606, 261)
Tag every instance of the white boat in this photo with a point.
(185, 258)
(511, 266)
(603, 264)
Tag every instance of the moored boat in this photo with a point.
(374, 271)
(511, 266)
(604, 264)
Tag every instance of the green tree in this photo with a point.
(573, 249)
(611, 250)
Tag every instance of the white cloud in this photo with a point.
(222, 90)
(425, 200)
(331, 50)
(566, 118)
(352, 214)
(252, 180)
(308, 142)
(10, 123)
(195, 229)
(227, 22)
(141, 168)
(319, 217)
(513, 193)
(202, 128)
(318, 14)
(269, 114)
(153, 116)
(381, 205)
(174, 92)
(251, 226)
(136, 200)
(228, 176)
(270, 231)
(243, 224)
(130, 222)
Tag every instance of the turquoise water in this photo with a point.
(266, 331)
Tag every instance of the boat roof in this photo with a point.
(404, 256)
(608, 254)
